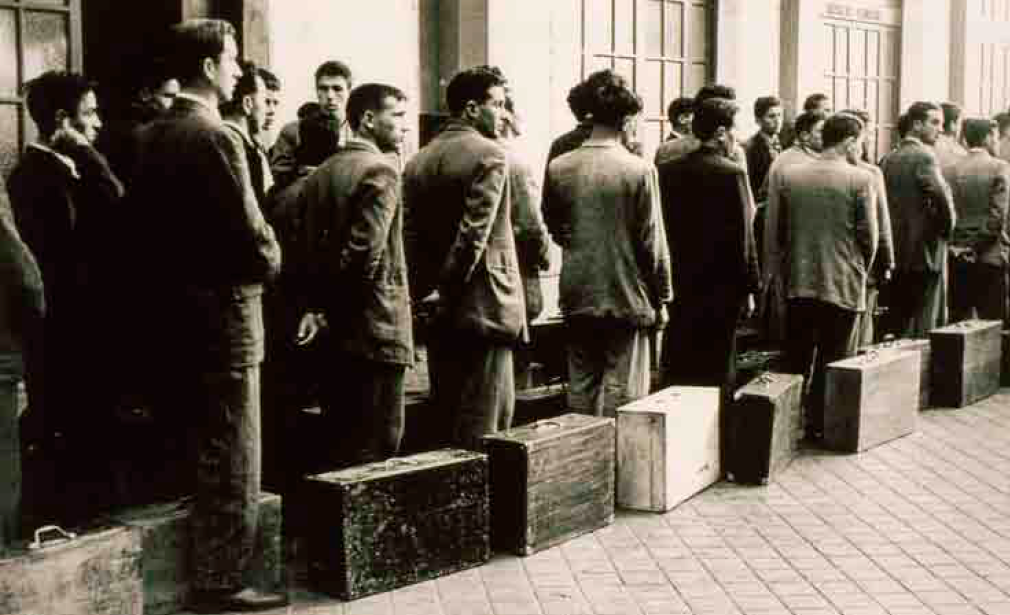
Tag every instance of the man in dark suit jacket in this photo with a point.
(830, 238)
(711, 241)
(922, 219)
(764, 146)
(456, 194)
(245, 114)
(206, 247)
(980, 183)
(358, 278)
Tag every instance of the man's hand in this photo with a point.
(662, 317)
(309, 327)
(751, 306)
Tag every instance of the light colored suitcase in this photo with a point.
(667, 447)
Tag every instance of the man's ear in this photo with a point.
(470, 110)
(368, 119)
(247, 105)
(209, 68)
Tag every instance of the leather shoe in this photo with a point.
(245, 600)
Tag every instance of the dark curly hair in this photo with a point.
(609, 99)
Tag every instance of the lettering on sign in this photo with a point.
(844, 11)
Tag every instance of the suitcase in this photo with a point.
(551, 481)
(1005, 361)
(165, 540)
(923, 347)
(667, 447)
(753, 363)
(96, 573)
(764, 428)
(966, 362)
(538, 403)
(871, 399)
(384, 525)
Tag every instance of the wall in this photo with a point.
(747, 53)
(925, 51)
(378, 39)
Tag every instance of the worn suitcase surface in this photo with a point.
(551, 481)
(667, 447)
(164, 529)
(383, 525)
(764, 427)
(923, 347)
(871, 399)
(966, 362)
(96, 573)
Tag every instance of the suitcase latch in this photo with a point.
(61, 537)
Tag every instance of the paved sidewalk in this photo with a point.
(919, 526)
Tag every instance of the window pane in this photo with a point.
(699, 33)
(8, 138)
(841, 51)
(857, 52)
(596, 63)
(597, 26)
(672, 83)
(889, 53)
(839, 93)
(871, 100)
(696, 79)
(650, 134)
(888, 102)
(653, 26)
(674, 32)
(873, 53)
(650, 88)
(624, 26)
(8, 53)
(626, 68)
(45, 43)
(857, 94)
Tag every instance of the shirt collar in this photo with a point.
(911, 139)
(65, 160)
(200, 103)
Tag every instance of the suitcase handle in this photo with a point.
(546, 425)
(870, 356)
(38, 543)
(399, 462)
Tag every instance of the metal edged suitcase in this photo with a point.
(924, 348)
(667, 447)
(871, 399)
(384, 525)
(764, 427)
(966, 362)
(551, 481)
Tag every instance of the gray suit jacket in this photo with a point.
(979, 182)
(829, 220)
(922, 209)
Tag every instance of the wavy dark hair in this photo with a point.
(609, 99)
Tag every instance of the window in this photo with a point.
(35, 36)
(663, 47)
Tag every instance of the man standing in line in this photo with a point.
(1003, 145)
(806, 148)
(922, 219)
(328, 127)
(273, 100)
(948, 145)
(830, 238)
(816, 102)
(883, 264)
(764, 146)
(246, 115)
(192, 174)
(677, 148)
(456, 194)
(358, 279)
(680, 113)
(980, 183)
(711, 238)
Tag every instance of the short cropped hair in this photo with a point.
(904, 125)
(194, 40)
(679, 107)
(806, 121)
(308, 110)
(840, 127)
(919, 111)
(369, 97)
(813, 102)
(471, 84)
(862, 114)
(334, 68)
(763, 104)
(577, 101)
(712, 113)
(610, 99)
(270, 80)
(52, 91)
(714, 90)
(1003, 120)
(951, 114)
(246, 85)
(977, 130)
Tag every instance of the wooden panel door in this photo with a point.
(663, 47)
(35, 36)
(862, 66)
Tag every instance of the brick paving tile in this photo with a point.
(917, 526)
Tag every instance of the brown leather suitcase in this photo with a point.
(551, 481)
(60, 573)
(380, 526)
(871, 399)
(966, 362)
(923, 347)
(164, 531)
(764, 427)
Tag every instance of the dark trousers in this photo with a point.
(819, 333)
(362, 401)
(472, 386)
(227, 436)
(917, 303)
(977, 289)
(10, 451)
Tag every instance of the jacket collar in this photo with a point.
(66, 161)
(240, 129)
(458, 125)
(188, 103)
(362, 145)
(912, 141)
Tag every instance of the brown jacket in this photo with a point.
(979, 183)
